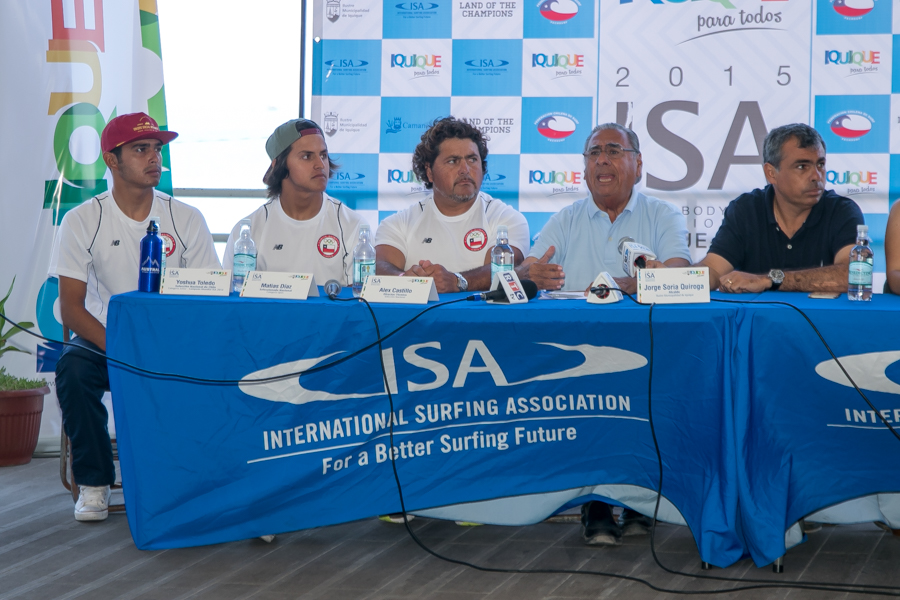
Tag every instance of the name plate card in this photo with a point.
(269, 284)
(682, 285)
(399, 290)
(195, 282)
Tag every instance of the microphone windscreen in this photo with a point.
(530, 288)
(332, 288)
(623, 241)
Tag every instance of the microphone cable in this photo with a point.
(758, 583)
(230, 382)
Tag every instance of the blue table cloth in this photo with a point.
(806, 439)
(489, 402)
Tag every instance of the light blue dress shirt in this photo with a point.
(587, 242)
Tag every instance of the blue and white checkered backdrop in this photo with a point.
(701, 82)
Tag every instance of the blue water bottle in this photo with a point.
(151, 258)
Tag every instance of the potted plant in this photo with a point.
(21, 402)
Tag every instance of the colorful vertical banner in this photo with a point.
(70, 66)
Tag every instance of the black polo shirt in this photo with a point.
(751, 240)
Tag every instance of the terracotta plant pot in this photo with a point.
(20, 424)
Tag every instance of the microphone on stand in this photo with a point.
(634, 255)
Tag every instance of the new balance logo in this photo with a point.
(426, 241)
(115, 243)
(278, 247)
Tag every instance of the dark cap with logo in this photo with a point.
(288, 133)
(125, 129)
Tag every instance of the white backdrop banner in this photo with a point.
(67, 67)
(701, 83)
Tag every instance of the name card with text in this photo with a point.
(196, 282)
(680, 285)
(269, 284)
(399, 290)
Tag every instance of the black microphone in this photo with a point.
(332, 288)
(528, 286)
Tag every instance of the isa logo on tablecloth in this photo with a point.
(487, 67)
(854, 124)
(853, 16)
(355, 180)
(502, 178)
(555, 125)
(409, 20)
(404, 120)
(347, 68)
(559, 19)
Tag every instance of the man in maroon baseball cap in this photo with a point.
(96, 254)
(128, 128)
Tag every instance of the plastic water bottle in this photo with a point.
(861, 265)
(363, 260)
(244, 257)
(502, 257)
(151, 258)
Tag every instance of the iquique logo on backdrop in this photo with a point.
(857, 61)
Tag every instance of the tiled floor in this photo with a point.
(45, 554)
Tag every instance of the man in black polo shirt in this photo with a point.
(791, 235)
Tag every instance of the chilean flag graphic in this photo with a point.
(556, 127)
(563, 10)
(849, 126)
(849, 8)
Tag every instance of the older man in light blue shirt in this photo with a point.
(582, 240)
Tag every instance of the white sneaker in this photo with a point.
(93, 503)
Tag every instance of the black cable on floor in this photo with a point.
(839, 587)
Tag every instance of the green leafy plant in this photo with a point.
(10, 382)
(5, 335)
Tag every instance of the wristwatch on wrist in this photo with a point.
(461, 282)
(777, 277)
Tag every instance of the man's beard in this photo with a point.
(462, 199)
